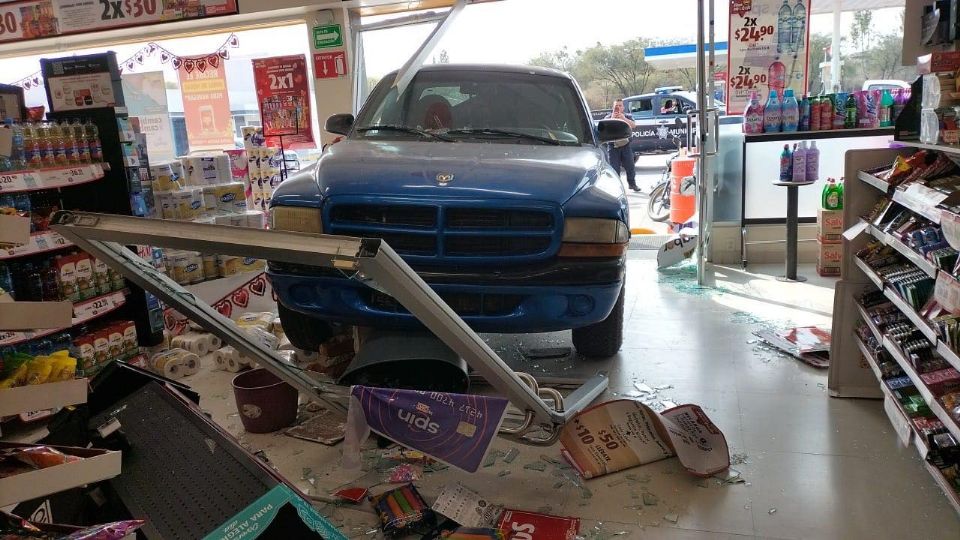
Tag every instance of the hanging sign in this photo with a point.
(329, 65)
(768, 49)
(283, 94)
(35, 19)
(206, 106)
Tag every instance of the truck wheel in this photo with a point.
(603, 339)
(304, 331)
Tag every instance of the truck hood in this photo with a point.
(479, 170)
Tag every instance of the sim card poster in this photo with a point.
(768, 49)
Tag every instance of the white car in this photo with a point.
(884, 84)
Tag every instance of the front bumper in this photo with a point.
(553, 297)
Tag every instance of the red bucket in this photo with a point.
(265, 403)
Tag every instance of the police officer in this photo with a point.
(621, 156)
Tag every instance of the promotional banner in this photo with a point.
(35, 19)
(456, 429)
(768, 49)
(206, 105)
(146, 97)
(284, 100)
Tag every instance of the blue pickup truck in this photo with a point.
(492, 183)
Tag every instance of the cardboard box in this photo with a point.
(96, 466)
(829, 224)
(829, 254)
(34, 315)
(42, 396)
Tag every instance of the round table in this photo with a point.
(793, 200)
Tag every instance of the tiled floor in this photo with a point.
(815, 467)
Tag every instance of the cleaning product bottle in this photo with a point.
(786, 163)
(850, 112)
(840, 188)
(800, 163)
(812, 163)
(790, 111)
(772, 114)
(899, 102)
(826, 111)
(886, 109)
(814, 113)
(804, 114)
(832, 196)
(753, 115)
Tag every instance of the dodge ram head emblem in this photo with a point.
(444, 178)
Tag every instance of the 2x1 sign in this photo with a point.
(327, 36)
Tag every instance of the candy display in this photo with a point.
(402, 511)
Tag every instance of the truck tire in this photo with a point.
(603, 339)
(303, 331)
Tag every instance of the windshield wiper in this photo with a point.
(405, 129)
(503, 132)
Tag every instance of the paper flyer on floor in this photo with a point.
(624, 433)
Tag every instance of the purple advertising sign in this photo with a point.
(454, 428)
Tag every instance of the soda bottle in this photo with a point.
(790, 115)
(47, 146)
(50, 283)
(753, 115)
(92, 135)
(772, 114)
(886, 109)
(59, 145)
(34, 283)
(850, 112)
(83, 149)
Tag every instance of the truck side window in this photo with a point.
(640, 108)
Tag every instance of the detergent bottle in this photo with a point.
(786, 164)
(832, 196)
(790, 111)
(753, 115)
(772, 114)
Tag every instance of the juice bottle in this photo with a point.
(753, 115)
(772, 114)
(59, 145)
(70, 143)
(886, 109)
(47, 146)
(32, 153)
(83, 149)
(92, 136)
(832, 195)
(790, 115)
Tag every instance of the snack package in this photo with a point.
(67, 275)
(114, 340)
(84, 272)
(41, 457)
(64, 367)
(39, 370)
(14, 371)
(101, 277)
(108, 531)
(402, 510)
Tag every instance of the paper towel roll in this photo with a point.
(164, 177)
(231, 198)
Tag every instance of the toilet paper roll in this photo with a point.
(209, 199)
(231, 198)
(219, 360)
(169, 363)
(233, 365)
(198, 344)
(190, 364)
(252, 137)
(164, 177)
(167, 336)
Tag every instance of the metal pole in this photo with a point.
(792, 202)
(702, 131)
(835, 48)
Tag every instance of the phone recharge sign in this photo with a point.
(206, 105)
(768, 49)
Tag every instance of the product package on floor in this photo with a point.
(518, 524)
(456, 429)
(624, 433)
(807, 343)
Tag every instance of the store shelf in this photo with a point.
(57, 177)
(871, 275)
(918, 321)
(944, 485)
(868, 354)
(83, 311)
(949, 355)
(938, 147)
(877, 334)
(42, 396)
(40, 242)
(928, 396)
(874, 181)
(95, 466)
(819, 134)
(923, 264)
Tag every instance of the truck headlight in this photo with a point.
(296, 219)
(594, 237)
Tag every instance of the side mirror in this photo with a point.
(612, 130)
(339, 124)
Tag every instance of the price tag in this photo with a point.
(95, 307)
(11, 182)
(750, 33)
(947, 292)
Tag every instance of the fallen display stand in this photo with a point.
(370, 261)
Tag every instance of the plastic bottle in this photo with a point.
(786, 163)
(812, 163)
(83, 149)
(70, 143)
(47, 146)
(804, 114)
(784, 28)
(840, 188)
(814, 120)
(50, 283)
(850, 112)
(886, 109)
(92, 136)
(772, 114)
(832, 196)
(34, 282)
(59, 144)
(753, 115)
(826, 111)
(17, 161)
(32, 154)
(790, 111)
(6, 280)
(899, 102)
(800, 163)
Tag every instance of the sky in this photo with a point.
(510, 31)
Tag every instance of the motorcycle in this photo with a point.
(658, 207)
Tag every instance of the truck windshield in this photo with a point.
(479, 106)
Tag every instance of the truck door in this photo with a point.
(669, 107)
(643, 114)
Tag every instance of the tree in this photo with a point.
(818, 45)
(623, 65)
(560, 59)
